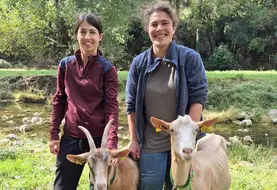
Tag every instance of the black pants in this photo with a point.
(68, 174)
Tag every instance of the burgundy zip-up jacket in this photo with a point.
(86, 96)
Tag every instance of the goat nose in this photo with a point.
(101, 186)
(187, 150)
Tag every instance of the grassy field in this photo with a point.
(268, 75)
(31, 166)
(24, 72)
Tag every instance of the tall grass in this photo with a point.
(31, 166)
(253, 167)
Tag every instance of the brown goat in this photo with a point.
(104, 175)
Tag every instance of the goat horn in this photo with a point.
(105, 134)
(89, 137)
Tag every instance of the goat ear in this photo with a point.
(159, 124)
(120, 153)
(77, 159)
(207, 124)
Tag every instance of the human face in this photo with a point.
(160, 29)
(88, 38)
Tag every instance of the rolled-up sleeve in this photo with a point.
(196, 80)
(131, 88)
(111, 106)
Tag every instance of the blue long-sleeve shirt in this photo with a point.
(190, 82)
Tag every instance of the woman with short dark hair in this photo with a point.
(164, 81)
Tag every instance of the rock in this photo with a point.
(34, 120)
(234, 140)
(246, 130)
(24, 128)
(4, 141)
(246, 123)
(12, 137)
(274, 121)
(36, 114)
(245, 164)
(4, 117)
(11, 122)
(120, 128)
(26, 120)
(273, 113)
(247, 139)
(243, 115)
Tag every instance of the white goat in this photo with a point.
(103, 173)
(208, 164)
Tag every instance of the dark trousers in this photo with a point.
(68, 174)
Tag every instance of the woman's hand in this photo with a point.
(134, 148)
(54, 147)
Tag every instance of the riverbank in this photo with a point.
(26, 163)
(231, 93)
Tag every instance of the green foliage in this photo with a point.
(222, 59)
(39, 33)
(32, 98)
(257, 44)
(4, 64)
(255, 96)
(7, 154)
(6, 95)
(252, 167)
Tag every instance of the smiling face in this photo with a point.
(160, 29)
(88, 38)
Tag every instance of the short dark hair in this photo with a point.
(159, 6)
(92, 19)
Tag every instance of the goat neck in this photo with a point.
(111, 176)
(179, 169)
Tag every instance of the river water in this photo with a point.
(12, 114)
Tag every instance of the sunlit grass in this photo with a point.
(32, 166)
(123, 74)
(25, 72)
(243, 74)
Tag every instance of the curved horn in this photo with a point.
(105, 134)
(89, 137)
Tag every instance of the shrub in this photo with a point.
(32, 98)
(6, 95)
(4, 64)
(222, 59)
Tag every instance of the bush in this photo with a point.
(222, 59)
(4, 64)
(6, 95)
(32, 98)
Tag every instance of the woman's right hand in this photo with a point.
(54, 147)
(134, 148)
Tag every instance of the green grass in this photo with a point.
(25, 72)
(31, 166)
(253, 167)
(268, 75)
